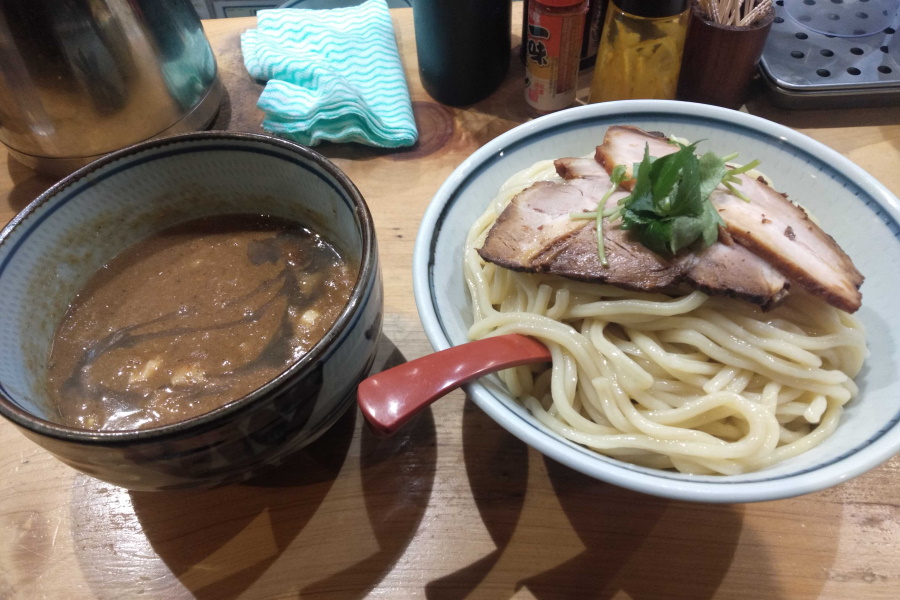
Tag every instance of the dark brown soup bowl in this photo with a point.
(50, 250)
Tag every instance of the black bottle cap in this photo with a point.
(652, 9)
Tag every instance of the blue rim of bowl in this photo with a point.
(297, 154)
(658, 482)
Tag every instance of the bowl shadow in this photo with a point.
(296, 529)
(497, 469)
(641, 545)
(397, 476)
(624, 542)
(27, 184)
(198, 534)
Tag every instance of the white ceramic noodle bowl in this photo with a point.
(860, 213)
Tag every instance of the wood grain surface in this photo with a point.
(454, 507)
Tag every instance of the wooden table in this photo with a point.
(454, 507)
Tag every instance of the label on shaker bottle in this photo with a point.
(551, 57)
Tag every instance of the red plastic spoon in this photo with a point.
(391, 398)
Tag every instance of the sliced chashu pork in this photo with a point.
(624, 145)
(770, 225)
(538, 219)
(536, 233)
(781, 232)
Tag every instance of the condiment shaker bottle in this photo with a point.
(590, 39)
(463, 47)
(552, 53)
(640, 50)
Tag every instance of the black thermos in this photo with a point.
(463, 47)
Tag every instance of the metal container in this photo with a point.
(804, 69)
(81, 78)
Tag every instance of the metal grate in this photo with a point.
(806, 69)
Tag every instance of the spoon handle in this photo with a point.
(391, 398)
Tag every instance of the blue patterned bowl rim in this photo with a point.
(302, 156)
(432, 253)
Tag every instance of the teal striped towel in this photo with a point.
(331, 75)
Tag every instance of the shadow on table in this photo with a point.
(623, 542)
(241, 530)
(444, 129)
(349, 501)
(644, 546)
(498, 477)
(397, 476)
(27, 185)
(760, 104)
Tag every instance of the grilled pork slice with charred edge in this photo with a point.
(536, 233)
(626, 144)
(769, 225)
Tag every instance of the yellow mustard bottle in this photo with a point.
(640, 50)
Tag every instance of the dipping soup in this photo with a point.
(193, 318)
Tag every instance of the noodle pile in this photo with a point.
(703, 385)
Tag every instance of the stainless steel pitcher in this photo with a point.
(81, 78)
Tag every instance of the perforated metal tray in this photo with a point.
(806, 69)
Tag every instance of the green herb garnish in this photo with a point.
(669, 207)
(731, 176)
(616, 179)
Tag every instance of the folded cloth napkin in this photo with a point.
(331, 75)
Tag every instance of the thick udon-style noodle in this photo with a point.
(700, 384)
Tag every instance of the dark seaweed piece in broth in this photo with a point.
(192, 318)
